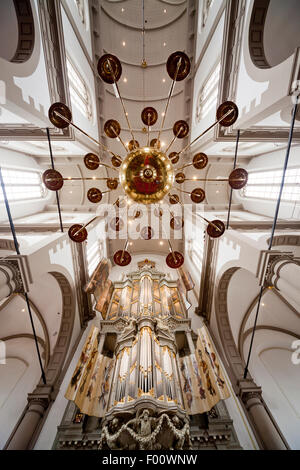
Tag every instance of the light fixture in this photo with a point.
(146, 173)
(123, 43)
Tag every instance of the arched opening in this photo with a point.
(273, 19)
(17, 31)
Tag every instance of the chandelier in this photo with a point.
(146, 173)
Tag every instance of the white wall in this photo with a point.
(11, 159)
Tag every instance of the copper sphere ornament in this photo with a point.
(53, 180)
(55, 119)
(147, 233)
(116, 161)
(238, 178)
(109, 68)
(181, 129)
(133, 144)
(149, 116)
(122, 258)
(137, 214)
(146, 175)
(112, 183)
(116, 224)
(91, 161)
(112, 128)
(200, 161)
(232, 117)
(174, 157)
(180, 177)
(94, 195)
(176, 223)
(215, 228)
(121, 202)
(158, 212)
(155, 143)
(175, 260)
(173, 199)
(77, 233)
(178, 66)
(198, 195)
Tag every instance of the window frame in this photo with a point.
(81, 10)
(74, 90)
(22, 172)
(200, 101)
(273, 184)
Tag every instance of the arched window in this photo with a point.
(22, 184)
(207, 4)
(81, 10)
(80, 95)
(266, 185)
(208, 94)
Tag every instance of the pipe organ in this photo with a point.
(141, 371)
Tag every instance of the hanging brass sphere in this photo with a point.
(146, 175)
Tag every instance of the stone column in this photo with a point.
(285, 277)
(265, 428)
(38, 402)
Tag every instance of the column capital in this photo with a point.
(249, 390)
(41, 396)
(18, 266)
(268, 258)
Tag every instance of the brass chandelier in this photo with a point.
(146, 173)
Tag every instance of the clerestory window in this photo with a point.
(80, 95)
(266, 185)
(22, 184)
(207, 97)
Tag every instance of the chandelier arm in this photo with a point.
(169, 98)
(148, 139)
(121, 99)
(205, 132)
(105, 164)
(174, 138)
(84, 226)
(85, 133)
(169, 242)
(179, 202)
(86, 178)
(206, 220)
(211, 179)
(184, 166)
(124, 249)
(118, 137)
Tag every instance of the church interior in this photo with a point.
(149, 225)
